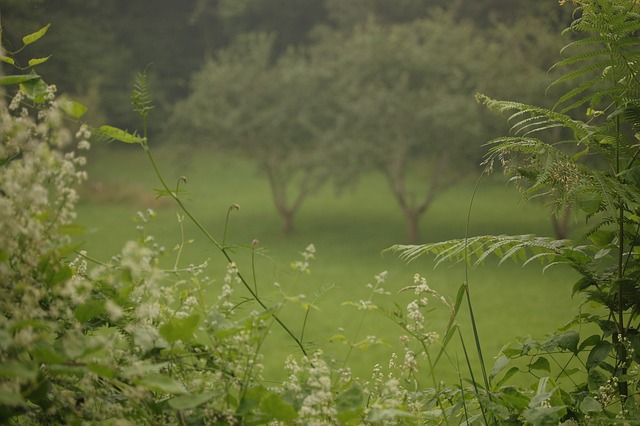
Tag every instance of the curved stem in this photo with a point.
(215, 242)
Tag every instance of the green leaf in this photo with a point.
(89, 310)
(596, 379)
(162, 383)
(37, 61)
(73, 108)
(590, 341)
(350, 401)
(589, 202)
(119, 134)
(186, 402)
(543, 416)
(507, 375)
(514, 397)
(602, 238)
(598, 354)
(590, 405)
(17, 79)
(180, 329)
(7, 60)
(275, 407)
(33, 37)
(567, 341)
(500, 364)
(35, 90)
(541, 364)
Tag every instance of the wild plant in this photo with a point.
(585, 372)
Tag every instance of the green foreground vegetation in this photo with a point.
(199, 311)
(350, 232)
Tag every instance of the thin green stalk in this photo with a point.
(180, 246)
(621, 350)
(476, 335)
(473, 380)
(202, 229)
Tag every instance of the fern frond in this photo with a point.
(581, 71)
(577, 58)
(476, 250)
(580, 129)
(577, 91)
(140, 97)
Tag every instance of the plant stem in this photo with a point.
(220, 247)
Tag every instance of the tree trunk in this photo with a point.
(561, 224)
(287, 220)
(413, 226)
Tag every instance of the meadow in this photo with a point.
(350, 230)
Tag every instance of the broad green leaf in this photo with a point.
(589, 202)
(596, 379)
(514, 397)
(582, 284)
(602, 238)
(7, 60)
(180, 329)
(162, 383)
(17, 79)
(251, 399)
(73, 108)
(499, 365)
(352, 399)
(507, 375)
(37, 61)
(186, 402)
(590, 405)
(119, 134)
(543, 416)
(590, 341)
(598, 354)
(567, 341)
(275, 407)
(541, 364)
(35, 90)
(33, 37)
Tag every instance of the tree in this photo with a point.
(270, 111)
(406, 104)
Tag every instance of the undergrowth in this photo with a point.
(123, 341)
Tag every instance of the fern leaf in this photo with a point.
(140, 97)
(476, 250)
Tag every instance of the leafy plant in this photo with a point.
(593, 377)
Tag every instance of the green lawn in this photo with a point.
(349, 232)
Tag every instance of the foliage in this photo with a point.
(123, 341)
(392, 98)
(273, 113)
(605, 191)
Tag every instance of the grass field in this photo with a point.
(349, 231)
